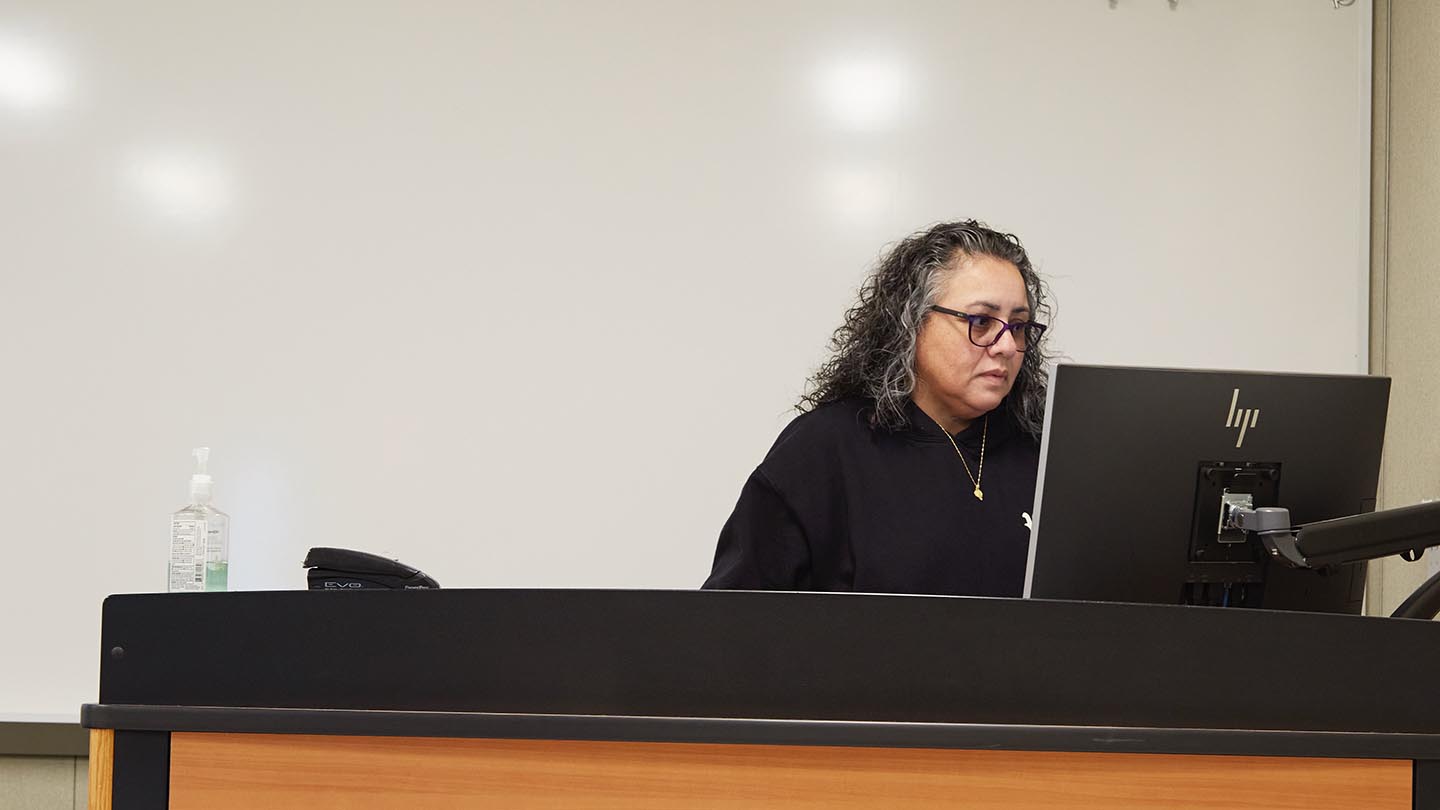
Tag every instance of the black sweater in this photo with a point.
(839, 506)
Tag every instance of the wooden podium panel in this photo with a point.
(219, 771)
(102, 764)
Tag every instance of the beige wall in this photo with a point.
(1405, 265)
(43, 783)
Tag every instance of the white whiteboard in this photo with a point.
(520, 292)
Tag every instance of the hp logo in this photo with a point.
(1243, 418)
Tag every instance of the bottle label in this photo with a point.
(217, 539)
(187, 554)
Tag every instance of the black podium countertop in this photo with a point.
(791, 668)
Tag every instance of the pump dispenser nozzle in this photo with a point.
(202, 486)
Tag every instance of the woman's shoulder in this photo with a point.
(824, 428)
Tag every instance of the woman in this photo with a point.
(912, 467)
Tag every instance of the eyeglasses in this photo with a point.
(986, 330)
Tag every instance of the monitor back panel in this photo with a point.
(1117, 494)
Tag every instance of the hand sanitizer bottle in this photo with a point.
(199, 536)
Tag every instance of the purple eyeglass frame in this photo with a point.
(1032, 330)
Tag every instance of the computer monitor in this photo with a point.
(1136, 463)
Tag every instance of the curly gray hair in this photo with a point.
(873, 351)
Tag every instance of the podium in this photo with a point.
(679, 699)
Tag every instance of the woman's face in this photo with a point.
(957, 381)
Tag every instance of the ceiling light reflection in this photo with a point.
(864, 94)
(859, 196)
(31, 76)
(181, 185)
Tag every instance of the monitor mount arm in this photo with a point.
(1407, 531)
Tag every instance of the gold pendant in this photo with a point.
(979, 496)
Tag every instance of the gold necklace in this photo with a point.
(974, 477)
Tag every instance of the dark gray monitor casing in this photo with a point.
(1115, 499)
